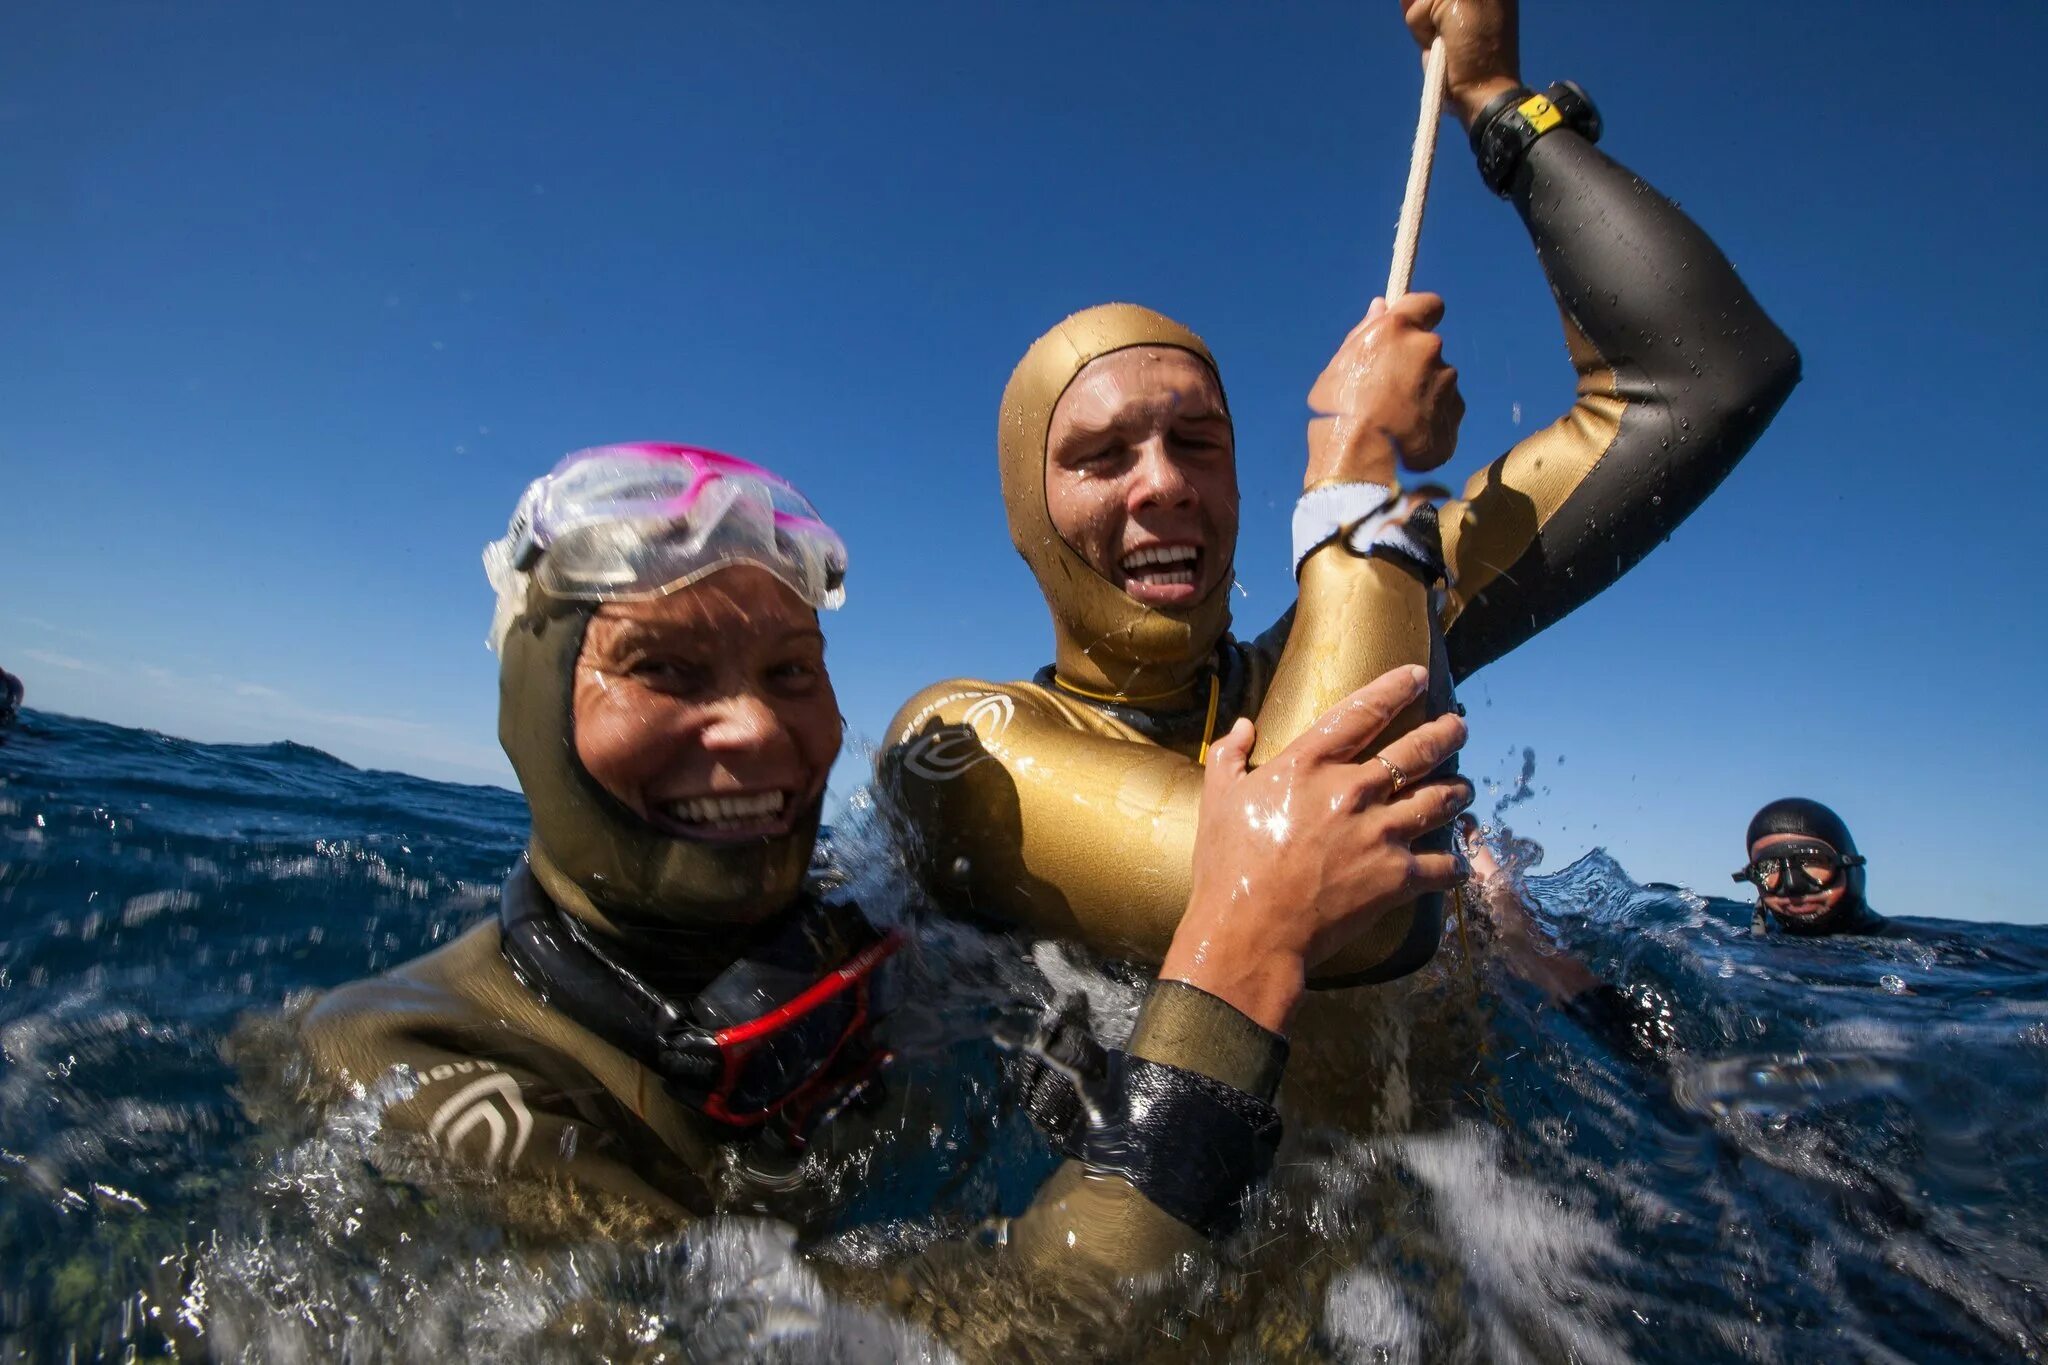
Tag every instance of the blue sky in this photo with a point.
(296, 299)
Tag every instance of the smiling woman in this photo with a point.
(709, 714)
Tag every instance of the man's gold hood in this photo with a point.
(1107, 642)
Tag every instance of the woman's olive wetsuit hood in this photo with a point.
(1106, 640)
(590, 853)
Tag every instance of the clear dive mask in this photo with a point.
(620, 522)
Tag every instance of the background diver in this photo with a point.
(1808, 876)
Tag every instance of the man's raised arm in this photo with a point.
(1679, 368)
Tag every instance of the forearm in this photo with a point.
(1102, 1220)
(1568, 984)
(1679, 372)
(1543, 965)
(1060, 1281)
(1357, 618)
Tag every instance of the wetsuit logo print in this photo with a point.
(951, 750)
(491, 1106)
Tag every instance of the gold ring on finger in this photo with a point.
(1393, 771)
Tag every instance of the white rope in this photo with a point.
(1409, 230)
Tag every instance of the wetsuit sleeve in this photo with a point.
(1679, 372)
(1102, 1218)
(1021, 818)
(1327, 656)
(1016, 816)
(1061, 1281)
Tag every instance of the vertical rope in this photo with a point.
(1409, 231)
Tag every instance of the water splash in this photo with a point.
(1844, 1157)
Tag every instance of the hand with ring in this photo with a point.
(1296, 858)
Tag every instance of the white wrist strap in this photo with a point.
(1325, 513)
(1374, 522)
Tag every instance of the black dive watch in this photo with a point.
(1511, 123)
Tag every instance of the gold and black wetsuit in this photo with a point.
(1068, 804)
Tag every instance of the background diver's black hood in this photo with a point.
(593, 856)
(1800, 815)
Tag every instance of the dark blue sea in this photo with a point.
(1841, 1155)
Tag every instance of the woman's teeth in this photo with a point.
(726, 812)
(1162, 564)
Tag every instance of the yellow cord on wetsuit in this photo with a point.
(1208, 724)
(1124, 698)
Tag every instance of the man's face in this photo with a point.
(708, 713)
(1141, 474)
(1809, 911)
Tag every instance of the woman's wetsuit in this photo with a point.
(510, 1055)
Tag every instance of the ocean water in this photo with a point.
(1842, 1156)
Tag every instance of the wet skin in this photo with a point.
(708, 712)
(1385, 398)
(1141, 464)
(1297, 857)
(1807, 911)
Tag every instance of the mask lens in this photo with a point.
(1795, 871)
(774, 1057)
(1821, 873)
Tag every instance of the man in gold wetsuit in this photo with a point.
(669, 1019)
(1066, 804)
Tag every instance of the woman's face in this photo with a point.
(708, 712)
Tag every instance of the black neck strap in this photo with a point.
(558, 962)
(571, 971)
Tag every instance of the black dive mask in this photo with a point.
(1798, 869)
(781, 1035)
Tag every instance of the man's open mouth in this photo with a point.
(738, 815)
(1162, 574)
